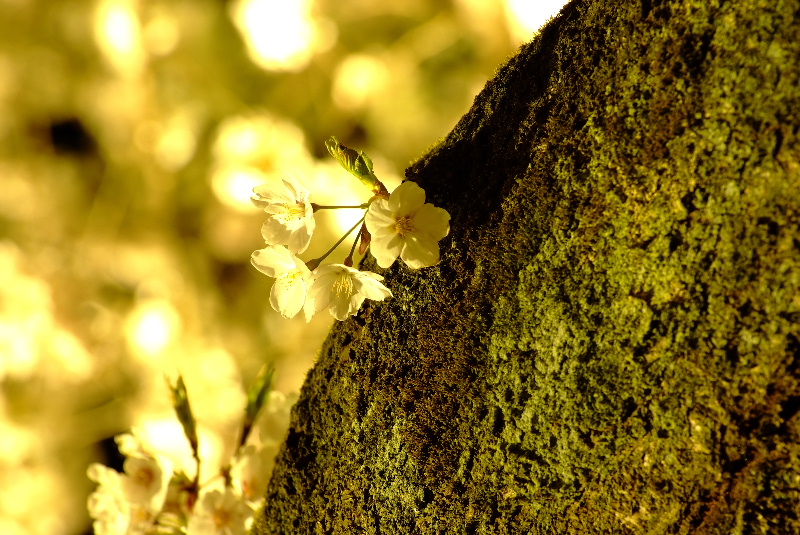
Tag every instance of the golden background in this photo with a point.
(131, 133)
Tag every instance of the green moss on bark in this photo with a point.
(611, 343)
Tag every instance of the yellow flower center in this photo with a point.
(222, 518)
(144, 477)
(292, 212)
(343, 287)
(404, 225)
(249, 489)
(288, 279)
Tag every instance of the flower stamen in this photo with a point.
(404, 226)
(144, 477)
(221, 517)
(295, 211)
(343, 286)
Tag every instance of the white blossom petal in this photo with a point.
(310, 307)
(369, 286)
(296, 189)
(288, 295)
(407, 197)
(272, 261)
(145, 481)
(275, 233)
(387, 250)
(299, 239)
(252, 468)
(110, 511)
(102, 475)
(347, 307)
(380, 219)
(343, 306)
(419, 250)
(220, 513)
(432, 221)
(271, 193)
(128, 444)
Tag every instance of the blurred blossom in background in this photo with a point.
(131, 134)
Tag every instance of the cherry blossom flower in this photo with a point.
(291, 278)
(405, 225)
(220, 513)
(146, 480)
(107, 505)
(129, 444)
(251, 470)
(146, 477)
(291, 220)
(111, 508)
(273, 422)
(343, 290)
(128, 503)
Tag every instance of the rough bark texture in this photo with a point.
(611, 343)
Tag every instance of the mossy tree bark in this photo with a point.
(611, 343)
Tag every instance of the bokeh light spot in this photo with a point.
(151, 327)
(252, 150)
(117, 31)
(526, 17)
(279, 35)
(161, 35)
(233, 186)
(357, 78)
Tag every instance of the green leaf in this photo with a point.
(180, 402)
(256, 398)
(357, 163)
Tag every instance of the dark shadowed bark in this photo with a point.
(611, 343)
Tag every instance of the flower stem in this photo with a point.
(313, 264)
(316, 206)
(349, 260)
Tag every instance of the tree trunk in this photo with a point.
(611, 343)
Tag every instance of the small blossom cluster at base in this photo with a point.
(150, 498)
(400, 224)
(129, 502)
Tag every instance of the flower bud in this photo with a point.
(358, 163)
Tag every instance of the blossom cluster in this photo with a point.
(151, 498)
(130, 502)
(397, 224)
